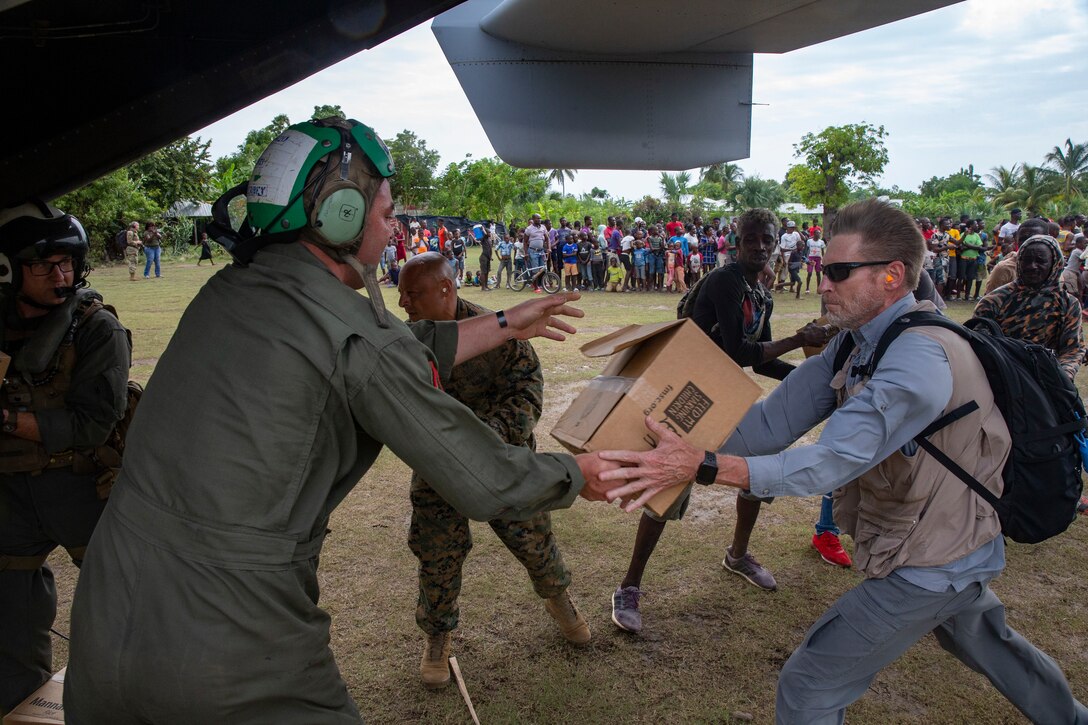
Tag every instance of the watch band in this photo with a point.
(501, 316)
(10, 421)
(708, 470)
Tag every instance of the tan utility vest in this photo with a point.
(27, 390)
(911, 510)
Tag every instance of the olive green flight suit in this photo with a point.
(504, 387)
(198, 599)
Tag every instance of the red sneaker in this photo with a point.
(831, 550)
(1082, 505)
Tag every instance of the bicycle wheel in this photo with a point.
(519, 283)
(550, 282)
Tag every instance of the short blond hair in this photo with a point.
(887, 232)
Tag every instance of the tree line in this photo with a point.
(834, 166)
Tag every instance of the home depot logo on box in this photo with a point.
(668, 370)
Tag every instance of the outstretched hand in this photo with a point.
(646, 473)
(540, 317)
(593, 466)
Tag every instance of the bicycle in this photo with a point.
(549, 281)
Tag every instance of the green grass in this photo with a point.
(712, 645)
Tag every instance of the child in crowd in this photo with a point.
(670, 265)
(639, 259)
(816, 247)
(596, 262)
(615, 274)
(695, 265)
(796, 259)
(392, 276)
(678, 273)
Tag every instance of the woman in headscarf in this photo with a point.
(1035, 307)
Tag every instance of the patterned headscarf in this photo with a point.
(1046, 314)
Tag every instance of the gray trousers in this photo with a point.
(870, 626)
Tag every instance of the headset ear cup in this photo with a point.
(7, 272)
(340, 216)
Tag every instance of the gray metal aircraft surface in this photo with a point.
(91, 86)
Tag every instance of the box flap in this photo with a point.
(589, 409)
(626, 337)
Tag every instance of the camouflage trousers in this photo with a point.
(132, 256)
(439, 536)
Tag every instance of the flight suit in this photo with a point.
(504, 387)
(45, 504)
(198, 600)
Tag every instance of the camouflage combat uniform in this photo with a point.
(505, 389)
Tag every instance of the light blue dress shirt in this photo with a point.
(910, 389)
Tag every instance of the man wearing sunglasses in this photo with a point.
(62, 395)
(927, 544)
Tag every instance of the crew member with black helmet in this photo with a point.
(63, 392)
(199, 599)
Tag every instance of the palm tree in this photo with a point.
(757, 192)
(1002, 183)
(724, 174)
(1071, 165)
(1036, 187)
(673, 186)
(561, 176)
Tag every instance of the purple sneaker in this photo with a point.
(625, 614)
(747, 567)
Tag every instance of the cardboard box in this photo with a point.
(44, 707)
(670, 370)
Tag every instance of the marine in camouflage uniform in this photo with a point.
(505, 389)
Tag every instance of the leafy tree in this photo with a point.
(649, 208)
(962, 180)
(326, 111)
(252, 147)
(598, 193)
(833, 159)
(487, 189)
(414, 181)
(179, 171)
(1071, 165)
(561, 176)
(106, 205)
(950, 203)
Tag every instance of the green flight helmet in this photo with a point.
(276, 189)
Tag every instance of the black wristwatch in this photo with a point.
(10, 421)
(708, 470)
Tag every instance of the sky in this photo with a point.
(983, 82)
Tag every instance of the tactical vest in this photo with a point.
(31, 391)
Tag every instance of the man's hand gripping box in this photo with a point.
(670, 370)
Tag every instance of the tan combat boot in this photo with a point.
(131, 276)
(435, 665)
(566, 615)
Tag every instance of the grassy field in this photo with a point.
(712, 644)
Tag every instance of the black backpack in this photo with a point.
(1042, 409)
(120, 241)
(686, 305)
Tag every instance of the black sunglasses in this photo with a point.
(839, 271)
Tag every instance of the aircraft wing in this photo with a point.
(604, 84)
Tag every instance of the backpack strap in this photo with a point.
(920, 318)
